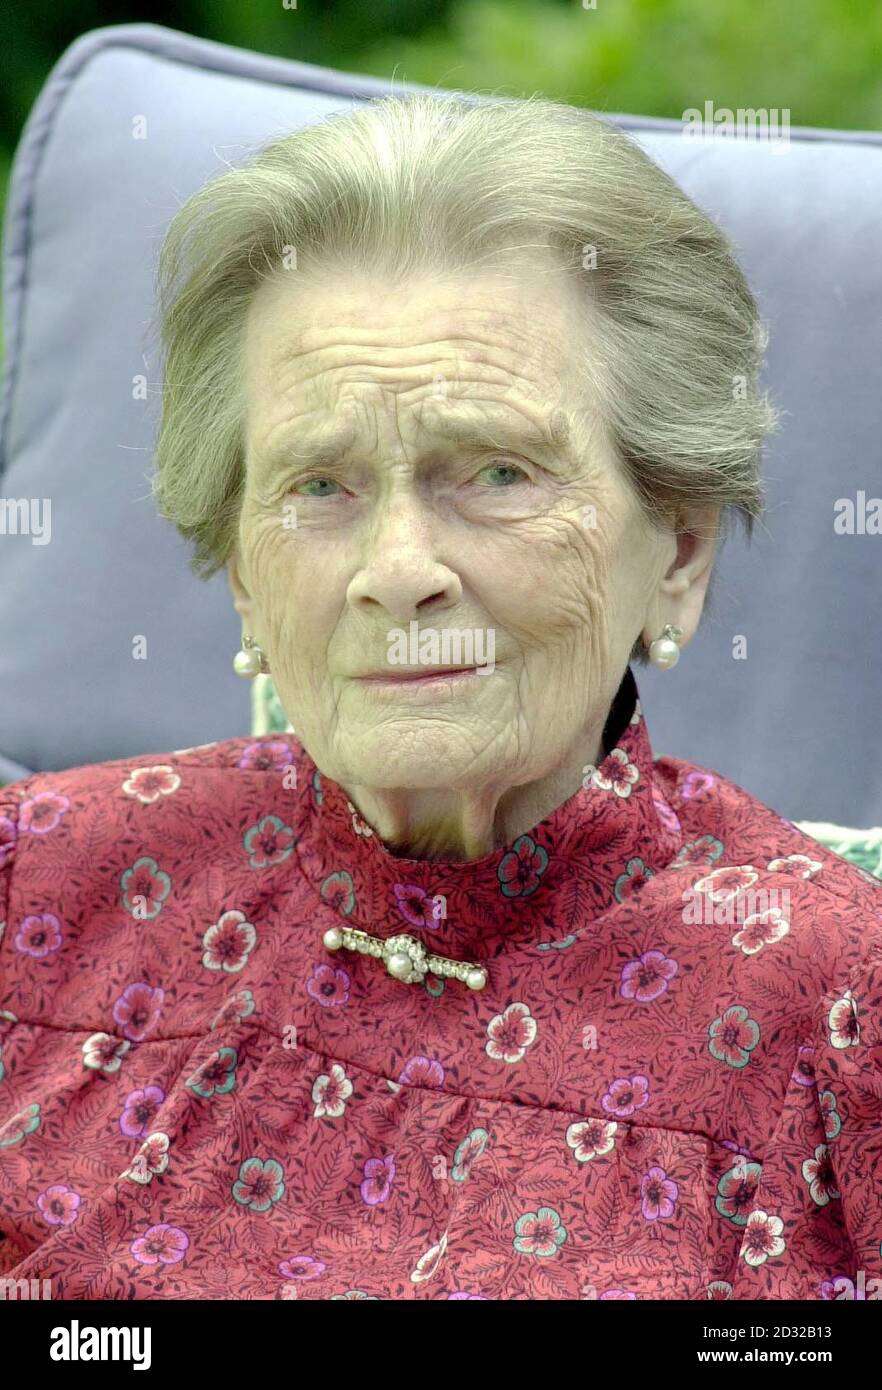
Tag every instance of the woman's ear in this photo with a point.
(242, 599)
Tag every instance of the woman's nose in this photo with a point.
(400, 572)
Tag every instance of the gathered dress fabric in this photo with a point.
(657, 1095)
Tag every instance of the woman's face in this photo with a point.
(423, 454)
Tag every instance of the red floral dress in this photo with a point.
(671, 1086)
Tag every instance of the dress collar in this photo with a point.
(597, 848)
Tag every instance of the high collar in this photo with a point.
(597, 848)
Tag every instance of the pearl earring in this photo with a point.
(249, 660)
(664, 652)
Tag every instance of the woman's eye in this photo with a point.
(320, 487)
(504, 474)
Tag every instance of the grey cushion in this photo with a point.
(797, 724)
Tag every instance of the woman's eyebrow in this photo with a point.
(497, 430)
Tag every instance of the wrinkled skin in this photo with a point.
(410, 526)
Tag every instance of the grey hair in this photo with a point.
(448, 183)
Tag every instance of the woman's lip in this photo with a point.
(419, 677)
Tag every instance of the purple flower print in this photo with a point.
(271, 755)
(162, 1244)
(38, 936)
(59, 1205)
(377, 1184)
(646, 978)
(422, 1071)
(696, 784)
(328, 987)
(626, 1094)
(301, 1267)
(7, 839)
(137, 1010)
(140, 1110)
(804, 1071)
(659, 1193)
(416, 905)
(41, 813)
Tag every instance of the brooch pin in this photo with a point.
(405, 958)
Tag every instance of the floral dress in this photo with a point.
(669, 1088)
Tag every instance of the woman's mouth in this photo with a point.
(411, 684)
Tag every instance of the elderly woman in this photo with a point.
(461, 992)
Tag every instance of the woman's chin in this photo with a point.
(417, 761)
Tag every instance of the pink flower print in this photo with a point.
(626, 1094)
(818, 1173)
(659, 1193)
(761, 929)
(229, 942)
(722, 885)
(162, 1244)
(144, 888)
(59, 1205)
(268, 755)
(628, 884)
(736, 1190)
(416, 905)
(140, 1110)
(591, 1138)
(338, 891)
(101, 1052)
(616, 773)
(151, 1160)
(331, 1092)
(268, 842)
(137, 1010)
(733, 1036)
(804, 1071)
(719, 1289)
(520, 870)
(618, 1294)
(328, 987)
(510, 1034)
(301, 1267)
(38, 936)
(705, 850)
(148, 784)
(842, 1021)
(762, 1238)
(422, 1071)
(696, 784)
(462, 1293)
(799, 864)
(41, 813)
(7, 839)
(647, 977)
(377, 1183)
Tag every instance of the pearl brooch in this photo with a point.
(405, 958)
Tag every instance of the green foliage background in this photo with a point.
(821, 59)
